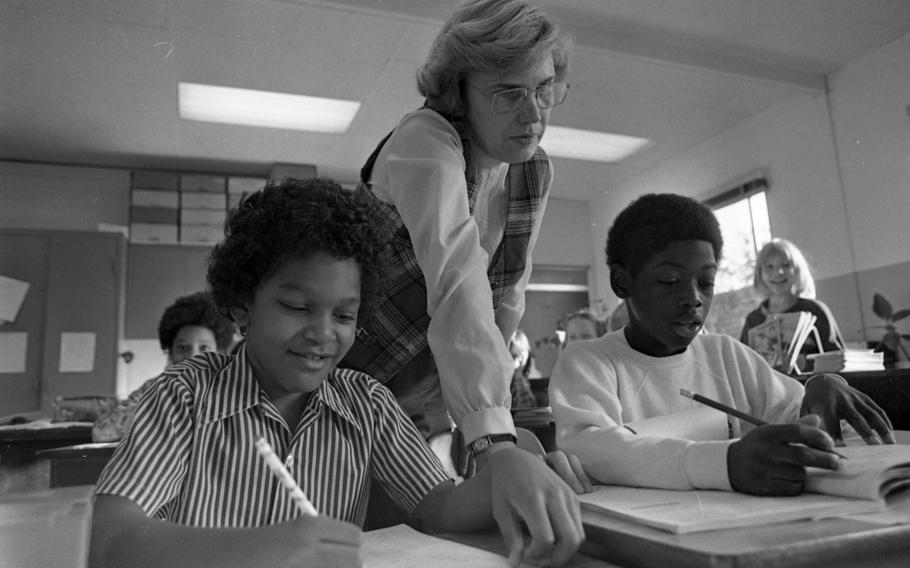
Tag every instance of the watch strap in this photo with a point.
(481, 444)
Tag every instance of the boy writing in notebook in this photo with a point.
(299, 264)
(607, 394)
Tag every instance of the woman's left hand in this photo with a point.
(568, 467)
(832, 399)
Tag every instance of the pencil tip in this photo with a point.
(685, 392)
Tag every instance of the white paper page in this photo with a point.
(13, 347)
(862, 474)
(403, 547)
(696, 511)
(77, 352)
(12, 294)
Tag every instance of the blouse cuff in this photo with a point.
(494, 420)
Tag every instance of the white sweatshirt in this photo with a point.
(600, 388)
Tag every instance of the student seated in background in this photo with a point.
(298, 267)
(783, 278)
(520, 349)
(582, 324)
(663, 252)
(188, 327)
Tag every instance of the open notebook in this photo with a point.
(872, 478)
(401, 546)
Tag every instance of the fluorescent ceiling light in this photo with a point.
(590, 145)
(541, 287)
(230, 105)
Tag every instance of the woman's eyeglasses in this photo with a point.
(547, 95)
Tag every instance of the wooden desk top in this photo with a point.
(832, 543)
(46, 528)
(492, 541)
(46, 430)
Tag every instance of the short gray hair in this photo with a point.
(495, 36)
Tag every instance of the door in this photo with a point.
(24, 257)
(85, 298)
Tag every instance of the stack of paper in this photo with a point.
(847, 361)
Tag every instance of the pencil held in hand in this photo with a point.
(722, 407)
(281, 472)
(736, 413)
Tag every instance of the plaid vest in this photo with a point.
(397, 329)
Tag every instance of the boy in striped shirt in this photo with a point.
(186, 487)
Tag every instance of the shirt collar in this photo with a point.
(235, 389)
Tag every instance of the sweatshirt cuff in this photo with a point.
(494, 420)
(705, 465)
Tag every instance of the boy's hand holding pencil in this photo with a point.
(772, 459)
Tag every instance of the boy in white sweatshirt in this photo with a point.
(617, 402)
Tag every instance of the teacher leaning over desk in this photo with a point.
(463, 185)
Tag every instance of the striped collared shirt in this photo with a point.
(190, 455)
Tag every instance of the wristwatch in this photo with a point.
(482, 443)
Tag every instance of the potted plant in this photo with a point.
(891, 339)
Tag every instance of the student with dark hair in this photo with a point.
(297, 270)
(663, 252)
(190, 326)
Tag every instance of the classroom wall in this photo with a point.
(839, 172)
(45, 196)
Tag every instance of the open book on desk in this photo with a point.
(400, 546)
(866, 482)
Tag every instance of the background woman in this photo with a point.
(784, 279)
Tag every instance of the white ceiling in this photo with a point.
(95, 82)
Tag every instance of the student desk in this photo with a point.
(890, 389)
(46, 528)
(78, 465)
(832, 543)
(20, 442)
(52, 528)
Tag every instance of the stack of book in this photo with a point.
(847, 361)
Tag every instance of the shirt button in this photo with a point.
(289, 463)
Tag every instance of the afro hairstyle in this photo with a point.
(652, 222)
(294, 219)
(195, 309)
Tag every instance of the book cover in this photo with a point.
(766, 339)
(781, 338)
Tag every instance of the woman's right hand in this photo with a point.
(772, 459)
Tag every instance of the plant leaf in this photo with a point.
(882, 307)
(900, 314)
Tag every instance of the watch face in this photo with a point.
(481, 444)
